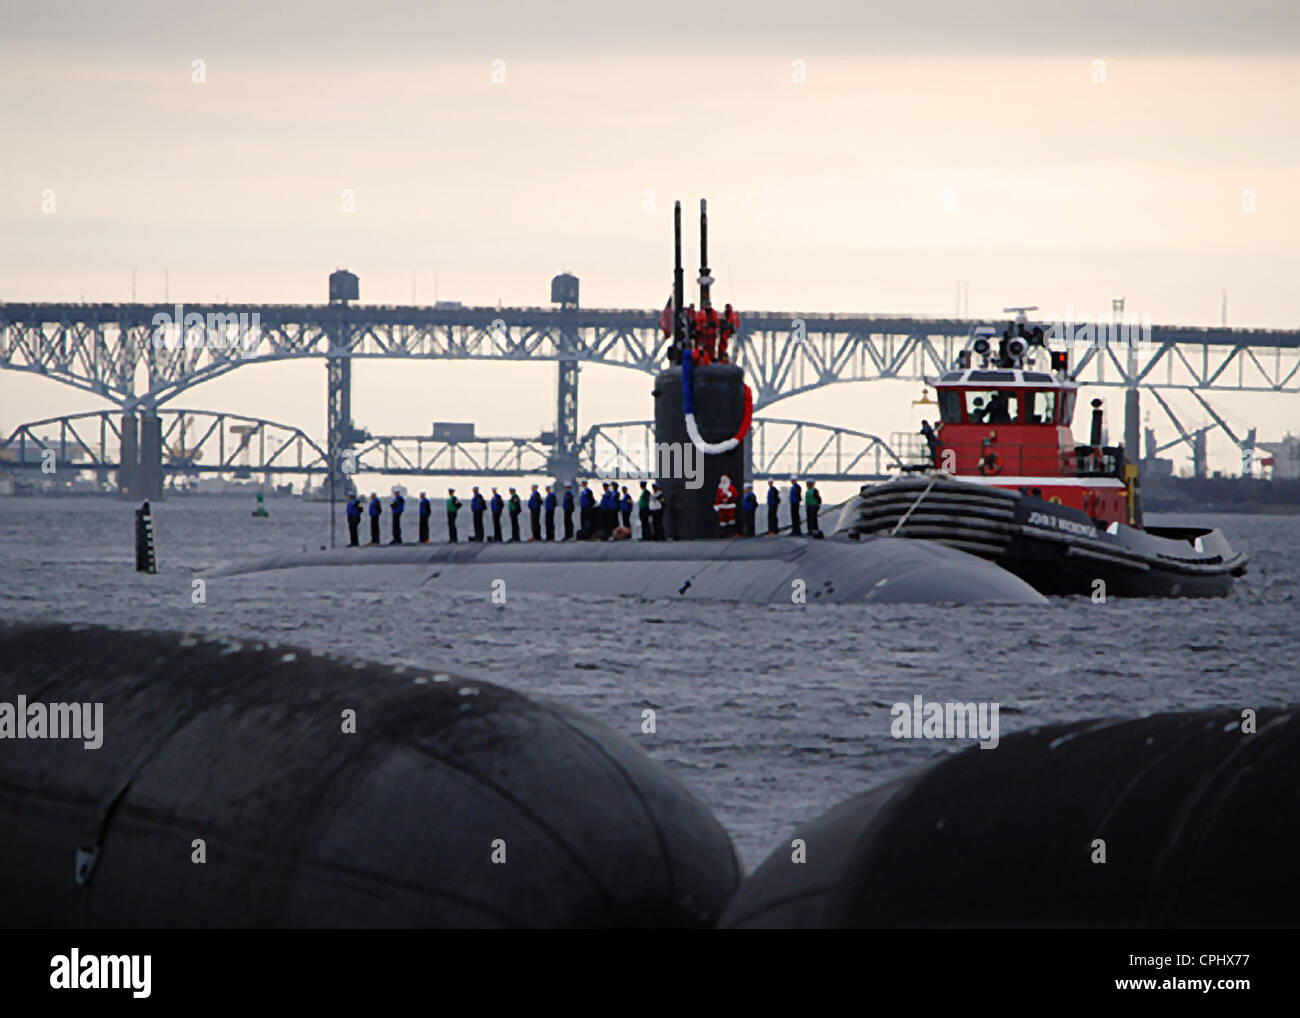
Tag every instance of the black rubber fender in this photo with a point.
(1198, 821)
(240, 745)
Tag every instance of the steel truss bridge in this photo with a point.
(199, 442)
(118, 352)
(110, 349)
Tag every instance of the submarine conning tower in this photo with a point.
(719, 407)
(717, 402)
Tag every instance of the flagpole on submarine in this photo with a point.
(705, 279)
(679, 287)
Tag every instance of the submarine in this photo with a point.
(702, 408)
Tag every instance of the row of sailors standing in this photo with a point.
(606, 518)
(598, 519)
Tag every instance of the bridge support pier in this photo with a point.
(151, 474)
(140, 474)
(128, 471)
(338, 425)
(340, 435)
(564, 461)
(1132, 425)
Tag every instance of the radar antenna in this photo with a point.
(1021, 317)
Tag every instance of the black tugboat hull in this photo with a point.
(1055, 549)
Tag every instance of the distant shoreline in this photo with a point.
(1230, 509)
(1245, 495)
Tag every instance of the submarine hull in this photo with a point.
(768, 570)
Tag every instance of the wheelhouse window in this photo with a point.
(992, 406)
(1041, 406)
(950, 406)
(1067, 406)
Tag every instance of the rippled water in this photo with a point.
(771, 714)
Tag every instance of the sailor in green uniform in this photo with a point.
(812, 501)
(514, 507)
(453, 507)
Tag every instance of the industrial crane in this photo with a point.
(1196, 438)
(1246, 445)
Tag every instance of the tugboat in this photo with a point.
(1002, 477)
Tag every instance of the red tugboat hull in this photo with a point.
(1055, 548)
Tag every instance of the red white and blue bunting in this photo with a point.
(688, 402)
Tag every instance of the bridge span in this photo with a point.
(197, 443)
(121, 353)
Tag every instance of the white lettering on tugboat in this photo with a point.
(1037, 519)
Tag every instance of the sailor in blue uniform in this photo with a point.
(608, 509)
(626, 506)
(748, 510)
(354, 520)
(477, 506)
(376, 510)
(496, 504)
(773, 507)
(426, 510)
(796, 501)
(398, 505)
(586, 507)
(548, 503)
(568, 513)
(643, 511)
(535, 514)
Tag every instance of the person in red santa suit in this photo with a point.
(724, 504)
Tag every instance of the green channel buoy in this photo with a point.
(261, 509)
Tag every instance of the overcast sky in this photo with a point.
(858, 157)
(305, 30)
